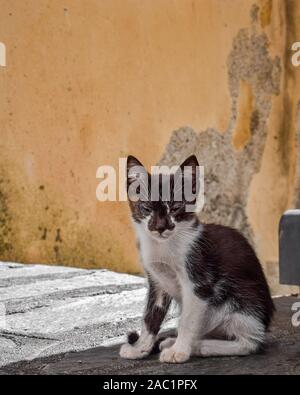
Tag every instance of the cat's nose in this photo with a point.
(171, 226)
(160, 229)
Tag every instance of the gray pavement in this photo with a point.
(45, 310)
(281, 356)
(70, 321)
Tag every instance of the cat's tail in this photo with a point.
(133, 337)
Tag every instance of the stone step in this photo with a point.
(12, 270)
(61, 316)
(48, 286)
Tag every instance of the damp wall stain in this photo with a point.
(265, 12)
(246, 122)
(5, 224)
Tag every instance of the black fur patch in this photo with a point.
(132, 337)
(155, 315)
(224, 268)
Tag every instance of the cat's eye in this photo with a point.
(176, 208)
(145, 210)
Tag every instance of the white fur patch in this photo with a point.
(246, 331)
(168, 342)
(173, 355)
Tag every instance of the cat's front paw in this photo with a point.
(128, 351)
(173, 355)
(166, 343)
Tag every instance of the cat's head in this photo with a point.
(163, 202)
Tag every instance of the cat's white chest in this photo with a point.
(165, 262)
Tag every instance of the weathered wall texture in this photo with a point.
(88, 82)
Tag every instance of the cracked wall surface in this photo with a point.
(88, 82)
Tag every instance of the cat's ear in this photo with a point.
(191, 162)
(132, 161)
(190, 170)
(134, 168)
(137, 178)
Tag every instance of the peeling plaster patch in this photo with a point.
(249, 61)
(228, 172)
(225, 184)
(254, 13)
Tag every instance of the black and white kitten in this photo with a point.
(210, 270)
